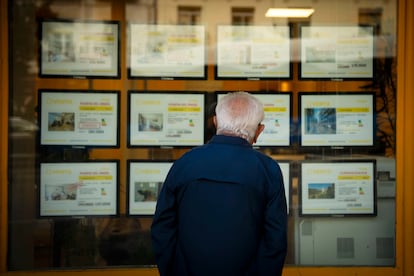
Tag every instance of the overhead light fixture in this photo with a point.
(289, 12)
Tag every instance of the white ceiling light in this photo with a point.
(289, 12)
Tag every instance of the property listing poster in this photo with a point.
(277, 109)
(338, 188)
(285, 168)
(78, 189)
(79, 118)
(88, 49)
(145, 182)
(166, 119)
(337, 52)
(167, 51)
(337, 120)
(253, 52)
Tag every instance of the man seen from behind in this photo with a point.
(222, 209)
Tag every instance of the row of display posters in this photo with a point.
(78, 189)
(91, 118)
(91, 49)
(178, 119)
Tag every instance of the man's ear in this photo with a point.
(215, 121)
(259, 130)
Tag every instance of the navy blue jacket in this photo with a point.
(221, 211)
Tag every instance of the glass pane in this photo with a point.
(326, 57)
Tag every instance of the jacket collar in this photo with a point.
(224, 139)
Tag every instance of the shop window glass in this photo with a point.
(326, 238)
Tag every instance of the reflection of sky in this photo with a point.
(320, 185)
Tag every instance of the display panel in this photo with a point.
(337, 119)
(333, 188)
(167, 51)
(79, 189)
(285, 168)
(80, 49)
(145, 179)
(277, 121)
(337, 52)
(253, 52)
(79, 118)
(166, 118)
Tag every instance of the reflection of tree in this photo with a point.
(384, 84)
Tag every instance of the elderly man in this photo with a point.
(222, 208)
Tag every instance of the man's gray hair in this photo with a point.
(239, 114)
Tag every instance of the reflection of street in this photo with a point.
(22, 140)
(21, 125)
(124, 241)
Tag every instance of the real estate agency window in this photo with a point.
(315, 238)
